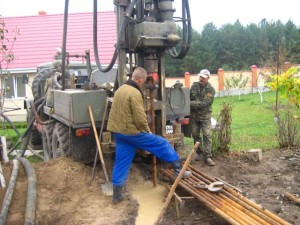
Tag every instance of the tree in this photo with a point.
(287, 84)
(237, 83)
(7, 55)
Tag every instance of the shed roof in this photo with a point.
(41, 35)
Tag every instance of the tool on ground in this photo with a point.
(100, 135)
(176, 182)
(212, 187)
(107, 188)
(237, 189)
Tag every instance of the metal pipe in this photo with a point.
(206, 203)
(257, 211)
(252, 212)
(227, 203)
(242, 213)
(247, 201)
(215, 201)
(176, 182)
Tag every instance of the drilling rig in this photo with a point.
(146, 33)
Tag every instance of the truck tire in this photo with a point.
(38, 83)
(60, 140)
(47, 141)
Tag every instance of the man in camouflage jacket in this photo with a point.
(202, 96)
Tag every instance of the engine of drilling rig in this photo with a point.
(147, 32)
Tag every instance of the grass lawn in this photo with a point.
(252, 122)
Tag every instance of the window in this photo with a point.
(13, 86)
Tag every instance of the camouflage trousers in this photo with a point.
(201, 132)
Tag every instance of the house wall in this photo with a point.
(14, 107)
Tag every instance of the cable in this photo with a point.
(186, 33)
(118, 44)
(170, 97)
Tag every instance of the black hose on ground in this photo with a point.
(31, 191)
(40, 103)
(9, 192)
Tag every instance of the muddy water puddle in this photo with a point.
(150, 201)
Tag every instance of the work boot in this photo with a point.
(197, 157)
(117, 194)
(210, 162)
(177, 168)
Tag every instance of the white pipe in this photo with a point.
(2, 179)
(4, 149)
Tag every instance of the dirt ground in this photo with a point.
(66, 195)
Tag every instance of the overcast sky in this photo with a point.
(219, 12)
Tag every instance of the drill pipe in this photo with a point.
(211, 202)
(246, 202)
(237, 209)
(227, 203)
(253, 212)
(234, 207)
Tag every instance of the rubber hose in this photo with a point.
(9, 192)
(31, 191)
(40, 103)
(11, 124)
(26, 136)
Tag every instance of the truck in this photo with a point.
(63, 90)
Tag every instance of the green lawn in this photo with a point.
(252, 122)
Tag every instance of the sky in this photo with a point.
(219, 12)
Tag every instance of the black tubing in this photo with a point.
(41, 102)
(187, 33)
(9, 192)
(120, 33)
(31, 191)
(11, 124)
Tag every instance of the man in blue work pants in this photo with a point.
(128, 123)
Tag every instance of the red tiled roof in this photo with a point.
(41, 35)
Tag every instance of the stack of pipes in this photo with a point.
(227, 203)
